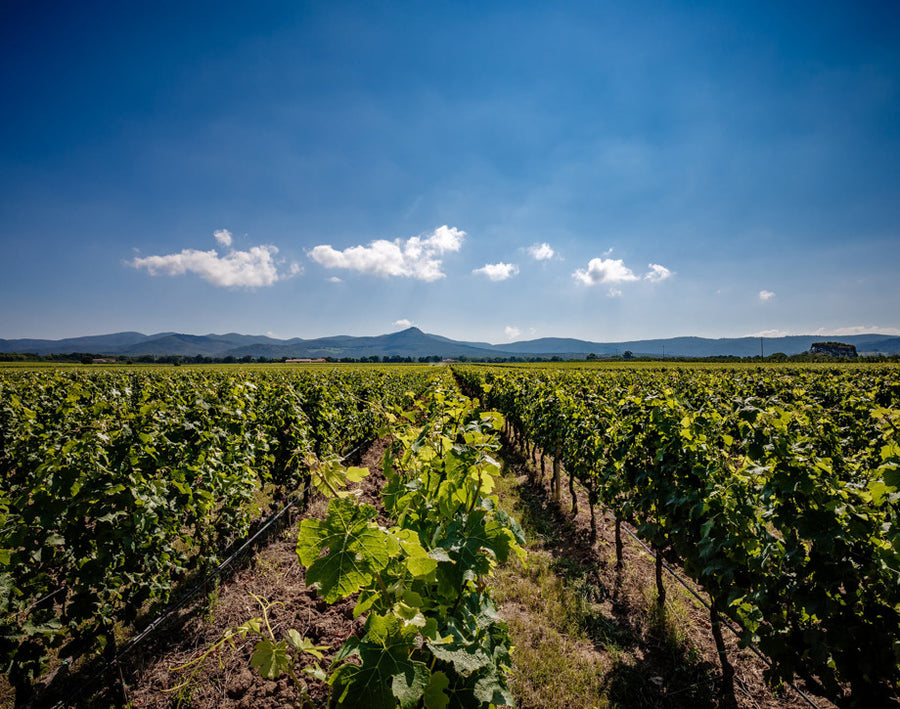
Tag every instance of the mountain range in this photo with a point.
(412, 342)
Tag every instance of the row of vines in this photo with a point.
(116, 487)
(418, 564)
(777, 490)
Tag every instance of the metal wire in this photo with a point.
(734, 629)
(167, 613)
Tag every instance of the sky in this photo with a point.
(491, 171)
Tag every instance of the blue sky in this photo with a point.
(489, 171)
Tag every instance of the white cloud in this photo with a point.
(416, 257)
(498, 271)
(238, 269)
(603, 270)
(765, 295)
(831, 331)
(657, 273)
(614, 293)
(858, 330)
(403, 322)
(541, 252)
(512, 332)
(335, 279)
(223, 236)
(770, 333)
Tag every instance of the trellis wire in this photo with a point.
(167, 613)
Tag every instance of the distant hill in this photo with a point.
(412, 342)
(704, 347)
(105, 344)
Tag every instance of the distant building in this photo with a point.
(104, 360)
(833, 349)
(304, 360)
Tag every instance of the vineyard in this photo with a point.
(776, 490)
(120, 486)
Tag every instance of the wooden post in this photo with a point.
(727, 693)
(572, 493)
(660, 587)
(618, 543)
(554, 483)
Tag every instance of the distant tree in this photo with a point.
(591, 357)
(627, 354)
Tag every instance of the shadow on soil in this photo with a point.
(651, 667)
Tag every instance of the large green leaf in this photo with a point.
(357, 548)
(387, 676)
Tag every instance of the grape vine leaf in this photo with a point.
(387, 674)
(357, 548)
(272, 659)
(435, 697)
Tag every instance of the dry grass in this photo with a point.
(590, 635)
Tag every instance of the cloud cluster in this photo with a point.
(223, 236)
(512, 332)
(541, 252)
(416, 257)
(403, 322)
(657, 273)
(831, 331)
(604, 270)
(857, 330)
(771, 333)
(497, 271)
(765, 295)
(613, 272)
(253, 268)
